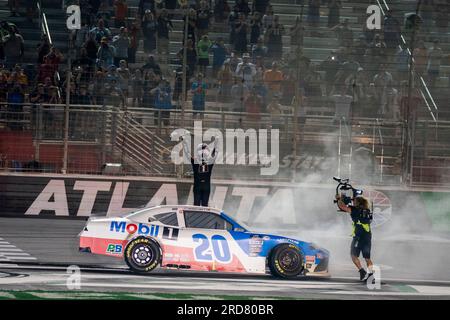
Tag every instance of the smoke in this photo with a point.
(403, 236)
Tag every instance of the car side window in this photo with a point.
(205, 220)
(169, 218)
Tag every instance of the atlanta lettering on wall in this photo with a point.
(73, 197)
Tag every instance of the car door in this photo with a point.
(206, 234)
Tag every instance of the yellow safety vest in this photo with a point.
(366, 227)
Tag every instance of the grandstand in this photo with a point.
(334, 105)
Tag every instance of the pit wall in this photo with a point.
(260, 204)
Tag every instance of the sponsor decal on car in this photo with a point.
(131, 228)
(310, 259)
(114, 248)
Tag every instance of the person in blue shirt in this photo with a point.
(198, 90)
(163, 102)
(16, 99)
(219, 55)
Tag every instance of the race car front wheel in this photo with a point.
(142, 254)
(285, 261)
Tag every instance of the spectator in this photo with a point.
(253, 106)
(225, 80)
(46, 70)
(191, 19)
(334, 15)
(151, 64)
(259, 49)
(239, 92)
(359, 84)
(134, 32)
(100, 31)
(219, 55)
(392, 33)
(260, 6)
(137, 86)
(198, 91)
(344, 34)
(13, 49)
(275, 109)
(221, 10)
(402, 63)
(313, 82)
(149, 28)
(246, 71)
(203, 47)
(151, 81)
(384, 86)
(240, 42)
(91, 46)
(115, 95)
(203, 19)
(342, 103)
(232, 20)
(120, 14)
(375, 55)
(434, 62)
(261, 91)
(273, 78)
(313, 17)
(39, 95)
(267, 19)
(104, 11)
(105, 53)
(274, 36)
(15, 99)
(255, 27)
(83, 97)
(53, 93)
(421, 58)
(121, 43)
(98, 87)
(191, 58)
(242, 7)
(163, 102)
(164, 27)
(234, 60)
(124, 77)
(145, 5)
(297, 33)
(43, 49)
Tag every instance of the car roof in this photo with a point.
(168, 208)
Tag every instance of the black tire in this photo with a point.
(285, 261)
(142, 254)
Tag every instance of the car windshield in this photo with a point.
(242, 224)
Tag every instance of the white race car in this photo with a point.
(201, 239)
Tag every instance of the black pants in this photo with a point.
(201, 195)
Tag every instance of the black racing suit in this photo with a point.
(202, 182)
(362, 234)
(202, 175)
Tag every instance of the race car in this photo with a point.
(200, 239)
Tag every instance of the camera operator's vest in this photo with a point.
(364, 219)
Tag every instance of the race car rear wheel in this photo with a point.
(142, 254)
(285, 261)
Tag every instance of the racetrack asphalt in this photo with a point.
(34, 254)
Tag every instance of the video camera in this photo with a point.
(343, 188)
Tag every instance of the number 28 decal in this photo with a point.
(220, 249)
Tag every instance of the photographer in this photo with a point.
(362, 234)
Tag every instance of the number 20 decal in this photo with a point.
(220, 249)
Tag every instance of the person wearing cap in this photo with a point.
(246, 70)
(202, 166)
(121, 42)
(149, 28)
(105, 53)
(100, 31)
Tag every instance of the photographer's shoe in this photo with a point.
(362, 274)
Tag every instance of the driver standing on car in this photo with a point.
(202, 166)
(362, 234)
